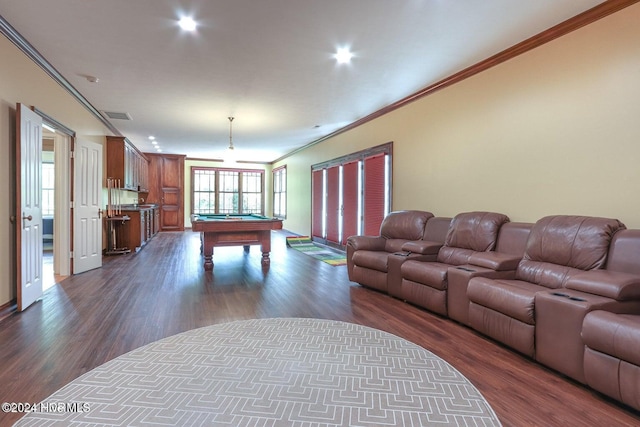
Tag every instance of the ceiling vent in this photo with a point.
(116, 115)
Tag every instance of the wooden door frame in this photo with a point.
(63, 149)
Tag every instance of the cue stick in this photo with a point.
(109, 197)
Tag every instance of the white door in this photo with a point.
(29, 204)
(87, 221)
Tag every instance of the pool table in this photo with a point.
(234, 230)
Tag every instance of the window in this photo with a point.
(252, 192)
(280, 192)
(227, 191)
(48, 182)
(203, 184)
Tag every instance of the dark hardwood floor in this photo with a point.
(136, 299)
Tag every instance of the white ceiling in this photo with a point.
(268, 63)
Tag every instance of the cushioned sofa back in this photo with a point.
(470, 232)
(407, 225)
(400, 226)
(562, 245)
(436, 229)
(512, 238)
(624, 252)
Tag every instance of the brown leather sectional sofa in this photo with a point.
(564, 291)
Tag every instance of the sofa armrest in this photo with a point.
(611, 284)
(422, 247)
(367, 243)
(496, 261)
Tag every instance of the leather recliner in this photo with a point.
(611, 334)
(560, 313)
(559, 248)
(367, 256)
(612, 355)
(425, 283)
(501, 263)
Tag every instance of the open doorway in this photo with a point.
(48, 210)
(55, 206)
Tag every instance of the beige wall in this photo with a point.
(23, 81)
(553, 131)
(268, 191)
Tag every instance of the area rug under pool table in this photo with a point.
(273, 372)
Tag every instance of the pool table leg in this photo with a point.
(208, 263)
(265, 242)
(207, 251)
(266, 261)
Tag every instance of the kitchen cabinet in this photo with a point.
(127, 164)
(140, 228)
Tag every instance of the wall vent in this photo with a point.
(116, 115)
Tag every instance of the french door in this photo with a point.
(317, 203)
(375, 197)
(351, 196)
(351, 200)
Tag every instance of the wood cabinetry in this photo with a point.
(126, 163)
(166, 189)
(140, 228)
(156, 221)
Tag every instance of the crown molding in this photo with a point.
(594, 14)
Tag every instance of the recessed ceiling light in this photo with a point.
(187, 23)
(154, 142)
(159, 150)
(343, 56)
(151, 137)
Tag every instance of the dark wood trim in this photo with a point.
(592, 15)
(386, 148)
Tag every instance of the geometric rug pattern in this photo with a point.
(305, 245)
(272, 372)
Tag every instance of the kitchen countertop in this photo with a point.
(140, 207)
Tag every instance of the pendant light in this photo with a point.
(230, 155)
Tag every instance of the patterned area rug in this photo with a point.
(305, 245)
(272, 372)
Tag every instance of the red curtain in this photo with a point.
(374, 194)
(333, 204)
(317, 198)
(349, 201)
